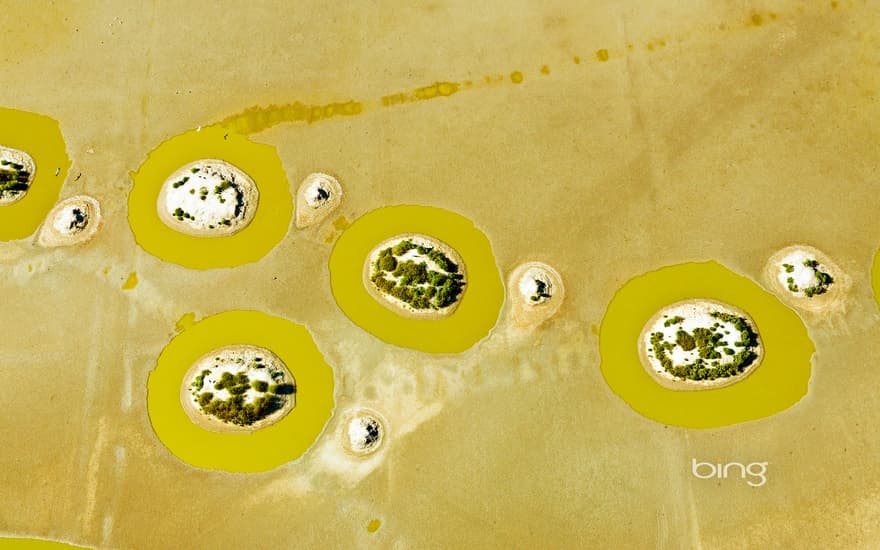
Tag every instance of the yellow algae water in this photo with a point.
(257, 119)
(34, 544)
(260, 162)
(479, 307)
(130, 282)
(40, 137)
(186, 321)
(265, 448)
(779, 382)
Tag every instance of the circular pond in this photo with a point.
(40, 138)
(478, 309)
(265, 230)
(259, 450)
(780, 382)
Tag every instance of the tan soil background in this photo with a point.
(752, 126)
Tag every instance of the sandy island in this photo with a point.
(704, 338)
(536, 293)
(74, 220)
(208, 198)
(806, 278)
(215, 381)
(362, 431)
(436, 289)
(17, 171)
(317, 197)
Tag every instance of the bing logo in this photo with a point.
(754, 473)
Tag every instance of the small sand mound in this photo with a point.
(536, 293)
(806, 278)
(362, 432)
(72, 221)
(700, 344)
(416, 276)
(208, 198)
(317, 197)
(238, 388)
(17, 170)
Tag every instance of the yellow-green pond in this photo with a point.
(263, 449)
(34, 544)
(779, 382)
(480, 304)
(260, 162)
(40, 137)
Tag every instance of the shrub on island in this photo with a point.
(413, 282)
(709, 342)
(14, 178)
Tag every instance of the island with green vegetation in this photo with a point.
(241, 386)
(811, 279)
(16, 174)
(701, 341)
(419, 273)
(208, 198)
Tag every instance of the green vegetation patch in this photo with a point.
(413, 282)
(825, 279)
(709, 344)
(14, 179)
(236, 409)
(540, 291)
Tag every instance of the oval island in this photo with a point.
(208, 198)
(416, 276)
(700, 344)
(807, 279)
(72, 221)
(317, 197)
(16, 174)
(536, 293)
(238, 388)
(363, 432)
